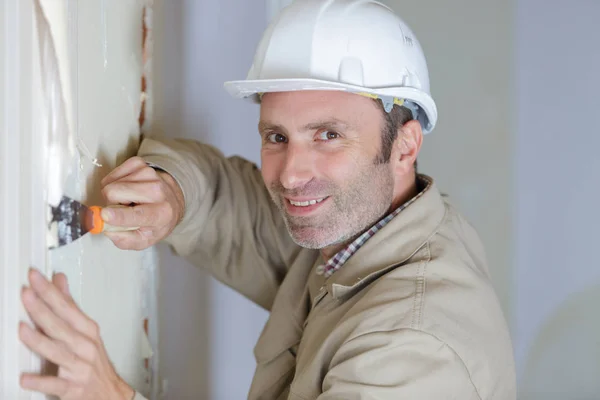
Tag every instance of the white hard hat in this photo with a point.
(357, 46)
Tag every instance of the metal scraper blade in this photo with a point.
(69, 221)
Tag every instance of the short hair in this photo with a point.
(394, 121)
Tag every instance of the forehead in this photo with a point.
(303, 107)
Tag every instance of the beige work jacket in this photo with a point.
(411, 315)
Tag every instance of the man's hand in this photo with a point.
(159, 204)
(69, 339)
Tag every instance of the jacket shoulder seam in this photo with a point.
(420, 287)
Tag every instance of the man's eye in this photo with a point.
(276, 138)
(328, 135)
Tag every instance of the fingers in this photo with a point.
(54, 314)
(48, 349)
(60, 280)
(44, 318)
(84, 367)
(45, 384)
(130, 166)
(130, 240)
(126, 192)
(54, 331)
(144, 174)
(159, 204)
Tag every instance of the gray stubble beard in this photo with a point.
(365, 202)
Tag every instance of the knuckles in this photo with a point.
(158, 211)
(89, 351)
(136, 161)
(94, 329)
(156, 190)
(106, 192)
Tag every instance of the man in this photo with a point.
(376, 286)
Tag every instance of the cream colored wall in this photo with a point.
(105, 39)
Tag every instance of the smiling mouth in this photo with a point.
(306, 203)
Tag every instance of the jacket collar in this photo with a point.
(393, 245)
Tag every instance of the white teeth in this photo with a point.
(305, 203)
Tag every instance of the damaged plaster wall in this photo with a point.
(104, 64)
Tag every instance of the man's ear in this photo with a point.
(407, 146)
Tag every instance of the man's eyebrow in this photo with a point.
(266, 125)
(331, 123)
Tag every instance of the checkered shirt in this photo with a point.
(340, 258)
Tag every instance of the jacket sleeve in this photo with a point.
(401, 364)
(231, 226)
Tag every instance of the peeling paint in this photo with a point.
(60, 144)
(105, 71)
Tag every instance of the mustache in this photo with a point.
(312, 188)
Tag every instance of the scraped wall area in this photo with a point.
(100, 52)
(106, 59)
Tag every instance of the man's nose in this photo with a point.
(297, 169)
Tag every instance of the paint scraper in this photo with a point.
(70, 220)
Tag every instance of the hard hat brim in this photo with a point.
(250, 89)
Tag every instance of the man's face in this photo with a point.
(319, 151)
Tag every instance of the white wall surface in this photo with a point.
(557, 280)
(22, 208)
(207, 331)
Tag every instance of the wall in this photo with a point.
(207, 330)
(22, 210)
(274, 6)
(105, 55)
(516, 84)
(557, 280)
(100, 49)
(470, 151)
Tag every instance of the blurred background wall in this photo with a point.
(208, 330)
(516, 85)
(556, 281)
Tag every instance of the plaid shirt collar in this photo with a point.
(340, 258)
